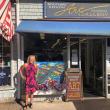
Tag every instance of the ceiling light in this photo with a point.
(42, 36)
(65, 38)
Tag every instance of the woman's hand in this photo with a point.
(37, 69)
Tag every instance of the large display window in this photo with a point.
(49, 50)
(5, 58)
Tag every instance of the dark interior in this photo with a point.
(45, 46)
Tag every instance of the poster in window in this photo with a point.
(74, 57)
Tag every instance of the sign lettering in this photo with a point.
(77, 10)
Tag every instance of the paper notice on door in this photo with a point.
(75, 57)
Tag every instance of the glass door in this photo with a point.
(92, 65)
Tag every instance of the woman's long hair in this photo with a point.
(29, 58)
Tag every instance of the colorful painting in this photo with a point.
(51, 75)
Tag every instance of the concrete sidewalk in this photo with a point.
(94, 104)
(40, 106)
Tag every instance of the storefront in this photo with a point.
(62, 35)
(85, 35)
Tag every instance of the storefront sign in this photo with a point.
(77, 10)
(74, 86)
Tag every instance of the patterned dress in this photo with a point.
(31, 84)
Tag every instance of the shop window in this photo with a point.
(5, 58)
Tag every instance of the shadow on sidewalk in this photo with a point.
(19, 94)
(92, 104)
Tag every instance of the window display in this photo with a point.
(5, 58)
(49, 54)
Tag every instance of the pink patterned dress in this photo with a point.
(31, 83)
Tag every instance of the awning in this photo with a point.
(64, 27)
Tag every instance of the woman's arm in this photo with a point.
(22, 71)
(36, 66)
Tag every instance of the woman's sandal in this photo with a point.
(25, 107)
(30, 105)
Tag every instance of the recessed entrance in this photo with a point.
(92, 64)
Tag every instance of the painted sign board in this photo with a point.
(77, 10)
(74, 86)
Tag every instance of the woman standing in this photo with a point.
(29, 69)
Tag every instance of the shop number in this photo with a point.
(74, 85)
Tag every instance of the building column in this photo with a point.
(18, 95)
(79, 54)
